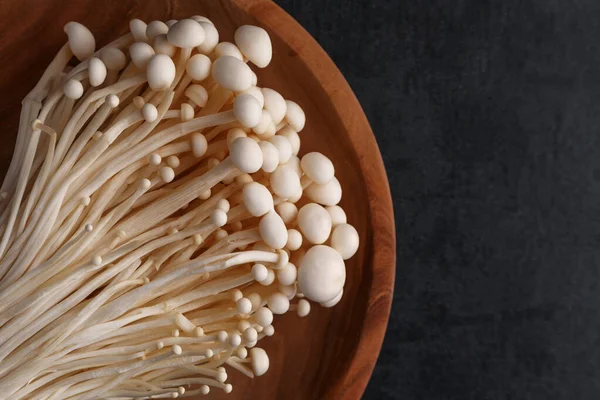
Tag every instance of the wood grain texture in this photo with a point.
(331, 353)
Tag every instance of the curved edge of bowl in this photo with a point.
(272, 17)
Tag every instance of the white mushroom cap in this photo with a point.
(187, 112)
(198, 331)
(228, 49)
(113, 58)
(222, 337)
(197, 93)
(221, 234)
(236, 294)
(294, 240)
(255, 92)
(247, 110)
(138, 30)
(213, 162)
(223, 204)
(156, 28)
(186, 33)
(141, 53)
(345, 240)
(334, 301)
(81, 40)
(97, 260)
(264, 316)
(270, 278)
(297, 197)
(138, 102)
(235, 133)
(285, 183)
(149, 112)
(154, 159)
(271, 130)
(246, 155)
(260, 361)
(162, 46)
(176, 349)
(287, 211)
(259, 272)
(211, 37)
(317, 167)
(255, 299)
(322, 274)
(205, 195)
(294, 164)
(275, 104)
(257, 199)
(289, 290)
(199, 145)
(204, 389)
(328, 194)
(166, 174)
(97, 71)
(73, 89)
(283, 146)
(272, 230)
(278, 303)
(201, 18)
(295, 115)
(232, 74)
(303, 308)
(262, 128)
(244, 306)
(270, 156)
(113, 100)
(284, 258)
(254, 42)
(287, 275)
(241, 353)
(292, 136)
(315, 223)
(198, 67)
(269, 330)
(221, 375)
(218, 217)
(235, 340)
(160, 72)
(250, 335)
(337, 214)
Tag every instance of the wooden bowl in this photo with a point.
(331, 353)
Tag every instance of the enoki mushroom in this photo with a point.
(155, 217)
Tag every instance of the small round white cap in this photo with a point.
(254, 43)
(322, 274)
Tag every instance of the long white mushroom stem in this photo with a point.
(156, 215)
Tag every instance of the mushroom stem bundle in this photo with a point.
(156, 215)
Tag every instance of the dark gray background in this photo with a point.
(487, 116)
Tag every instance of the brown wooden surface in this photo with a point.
(331, 353)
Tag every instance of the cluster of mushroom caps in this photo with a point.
(156, 215)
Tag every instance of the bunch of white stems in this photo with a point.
(156, 215)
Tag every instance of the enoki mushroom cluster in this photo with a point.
(156, 215)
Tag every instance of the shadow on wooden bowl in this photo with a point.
(331, 353)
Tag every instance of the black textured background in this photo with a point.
(487, 115)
